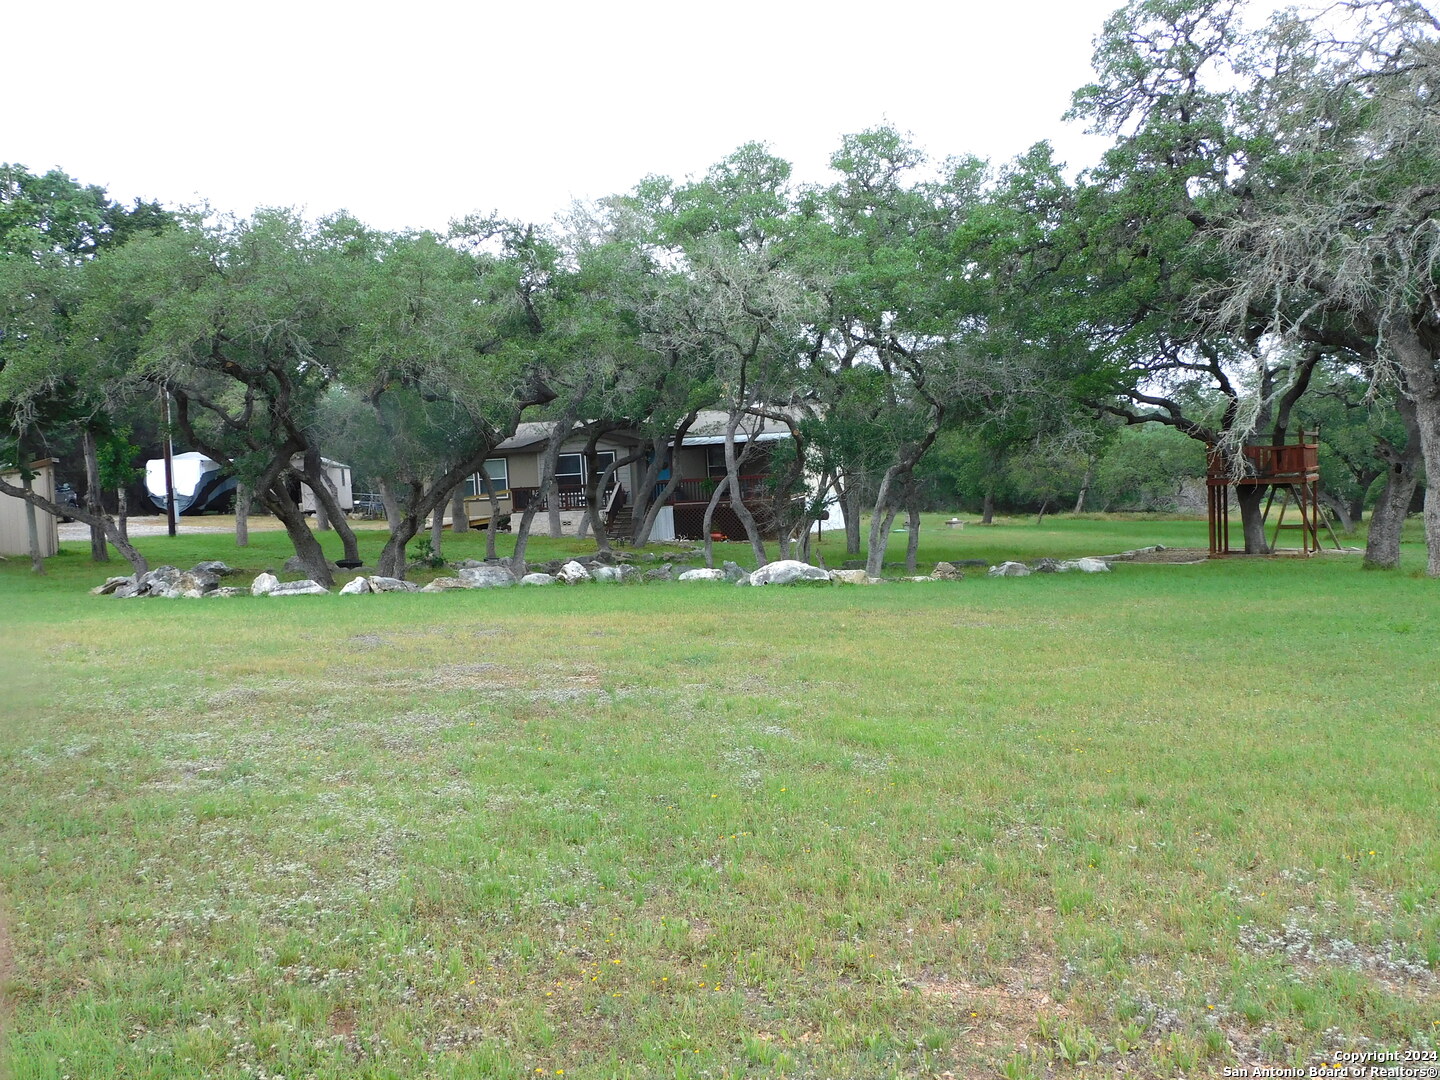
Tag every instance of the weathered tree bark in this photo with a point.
(1085, 482)
(242, 515)
(99, 550)
(285, 441)
(549, 460)
(1382, 548)
(492, 527)
(887, 505)
(32, 526)
(277, 500)
(706, 526)
(590, 519)
(1423, 386)
(912, 524)
(388, 500)
(881, 518)
(987, 508)
(322, 519)
(652, 501)
(437, 531)
(122, 515)
(323, 490)
(850, 503)
(459, 516)
(594, 510)
(522, 539)
(424, 498)
(886, 518)
(737, 500)
(1251, 500)
(1340, 510)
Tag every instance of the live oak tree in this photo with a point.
(1266, 216)
(904, 344)
(443, 361)
(726, 297)
(1340, 245)
(58, 385)
(246, 321)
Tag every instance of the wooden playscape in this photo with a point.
(1289, 469)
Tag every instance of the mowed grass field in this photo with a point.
(1163, 821)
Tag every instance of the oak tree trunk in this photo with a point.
(706, 521)
(492, 527)
(1339, 509)
(242, 515)
(99, 550)
(1382, 548)
(437, 531)
(114, 531)
(850, 503)
(912, 524)
(1251, 500)
(1085, 483)
(737, 501)
(459, 516)
(1423, 386)
(32, 527)
(312, 556)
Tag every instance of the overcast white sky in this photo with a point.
(410, 115)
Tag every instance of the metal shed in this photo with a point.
(14, 532)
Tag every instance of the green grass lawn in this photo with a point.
(1170, 818)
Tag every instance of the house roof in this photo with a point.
(707, 430)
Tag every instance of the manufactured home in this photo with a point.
(513, 472)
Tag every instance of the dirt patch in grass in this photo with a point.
(1171, 555)
(1006, 1009)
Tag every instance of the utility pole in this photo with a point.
(169, 470)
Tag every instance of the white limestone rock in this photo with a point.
(1010, 569)
(444, 584)
(572, 573)
(789, 572)
(486, 577)
(703, 574)
(304, 587)
(391, 584)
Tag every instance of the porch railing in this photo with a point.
(570, 498)
(699, 489)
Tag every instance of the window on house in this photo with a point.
(603, 458)
(715, 459)
(498, 470)
(570, 471)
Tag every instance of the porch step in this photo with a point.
(620, 526)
